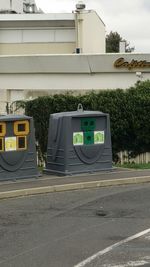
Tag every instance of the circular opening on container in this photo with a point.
(86, 123)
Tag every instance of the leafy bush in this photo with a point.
(129, 115)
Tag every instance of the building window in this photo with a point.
(21, 127)
(1, 144)
(2, 128)
(21, 143)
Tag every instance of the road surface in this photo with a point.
(105, 227)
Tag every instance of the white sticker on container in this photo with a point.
(10, 143)
(78, 139)
(99, 137)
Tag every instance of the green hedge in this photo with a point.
(129, 114)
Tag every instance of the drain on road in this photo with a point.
(116, 213)
(101, 213)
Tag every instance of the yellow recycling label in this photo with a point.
(10, 143)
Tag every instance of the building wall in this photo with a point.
(68, 81)
(90, 32)
(35, 35)
(29, 32)
(22, 77)
(38, 48)
(91, 64)
(27, 61)
(37, 41)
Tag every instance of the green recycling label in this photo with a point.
(99, 137)
(78, 138)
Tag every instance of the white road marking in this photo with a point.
(110, 248)
(128, 264)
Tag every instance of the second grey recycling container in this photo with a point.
(78, 142)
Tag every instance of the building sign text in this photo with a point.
(133, 64)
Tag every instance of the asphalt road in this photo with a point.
(64, 229)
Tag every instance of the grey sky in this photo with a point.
(130, 18)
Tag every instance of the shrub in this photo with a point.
(129, 115)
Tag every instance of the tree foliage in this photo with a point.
(129, 115)
(112, 43)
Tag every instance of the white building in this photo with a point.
(46, 53)
(51, 33)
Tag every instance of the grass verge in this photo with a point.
(141, 166)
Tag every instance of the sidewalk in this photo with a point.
(51, 183)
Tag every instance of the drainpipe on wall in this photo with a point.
(80, 6)
(78, 33)
(10, 4)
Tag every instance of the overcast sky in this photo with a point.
(130, 18)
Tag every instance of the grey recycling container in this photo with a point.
(78, 142)
(17, 148)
